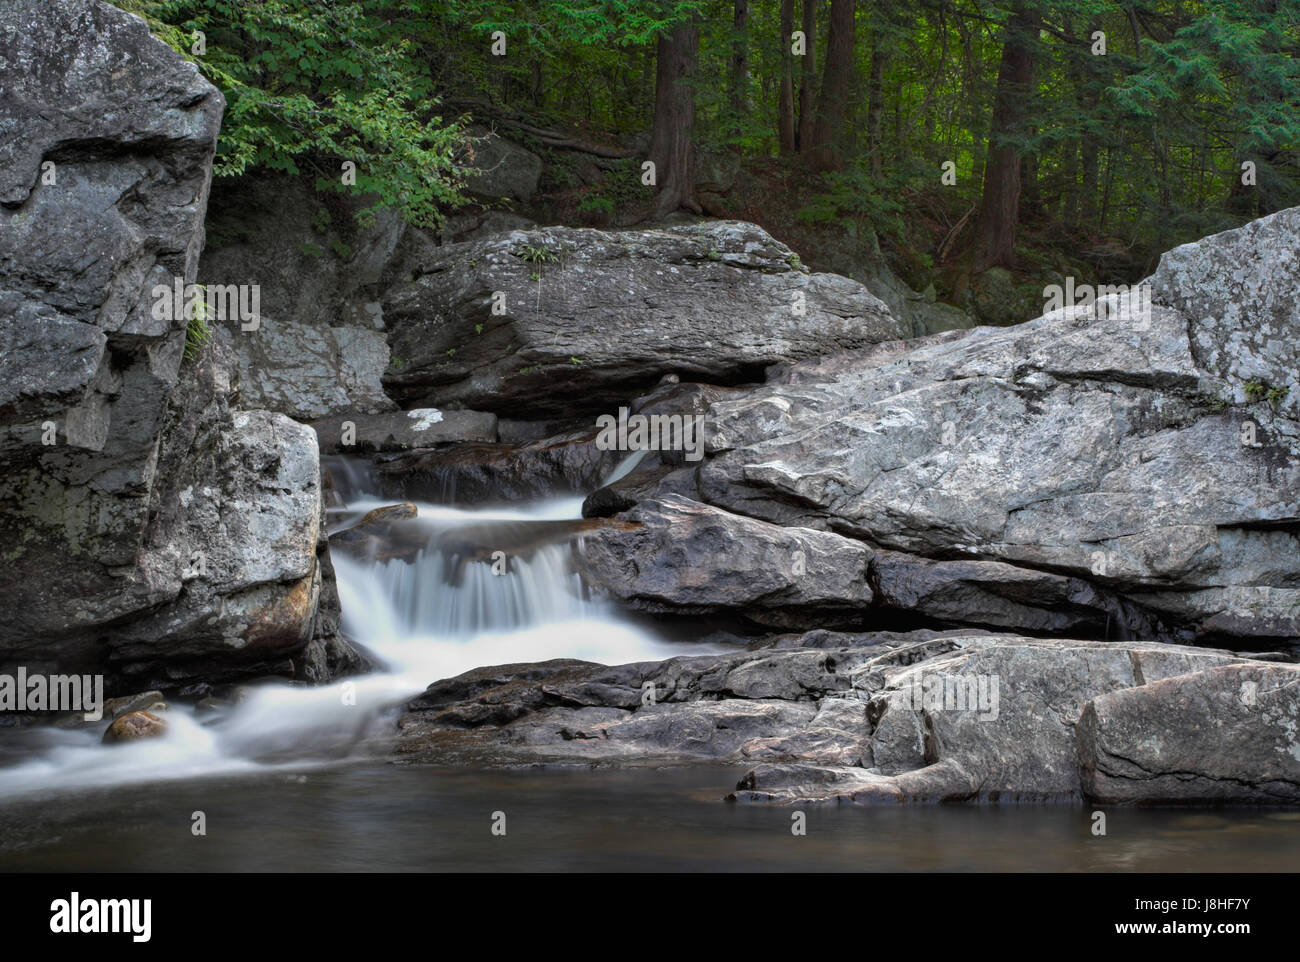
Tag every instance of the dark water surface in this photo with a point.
(377, 817)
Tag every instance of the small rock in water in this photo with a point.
(392, 512)
(138, 724)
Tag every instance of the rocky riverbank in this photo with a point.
(884, 717)
(1120, 483)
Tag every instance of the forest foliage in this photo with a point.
(1148, 122)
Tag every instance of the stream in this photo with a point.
(285, 782)
(424, 618)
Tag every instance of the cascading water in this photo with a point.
(478, 587)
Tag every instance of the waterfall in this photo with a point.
(483, 587)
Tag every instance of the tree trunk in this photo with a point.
(1069, 212)
(1088, 162)
(739, 63)
(674, 120)
(808, 78)
(785, 102)
(836, 84)
(995, 234)
(876, 105)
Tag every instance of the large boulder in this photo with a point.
(584, 319)
(708, 561)
(130, 129)
(150, 532)
(671, 554)
(1154, 455)
(1238, 291)
(1227, 733)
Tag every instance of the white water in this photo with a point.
(429, 619)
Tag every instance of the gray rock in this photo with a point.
(320, 349)
(999, 595)
(1101, 449)
(310, 371)
(404, 430)
(896, 717)
(591, 317)
(669, 553)
(677, 555)
(237, 557)
(1238, 289)
(484, 473)
(166, 537)
(130, 129)
(1013, 737)
(500, 168)
(1223, 734)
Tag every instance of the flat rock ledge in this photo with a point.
(881, 717)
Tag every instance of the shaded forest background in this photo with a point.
(1078, 138)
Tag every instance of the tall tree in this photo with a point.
(808, 78)
(673, 129)
(833, 99)
(785, 130)
(995, 232)
(876, 94)
(740, 61)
